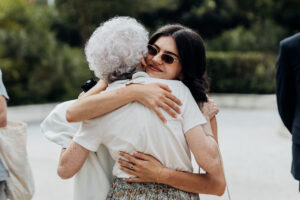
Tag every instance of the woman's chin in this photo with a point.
(154, 74)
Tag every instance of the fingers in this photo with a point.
(142, 156)
(128, 171)
(172, 105)
(145, 157)
(168, 109)
(130, 158)
(126, 164)
(165, 87)
(159, 114)
(173, 98)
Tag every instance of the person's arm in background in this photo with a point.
(3, 106)
(3, 117)
(152, 95)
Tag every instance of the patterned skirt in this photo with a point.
(121, 190)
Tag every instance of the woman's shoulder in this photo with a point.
(173, 83)
(179, 89)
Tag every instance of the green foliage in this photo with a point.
(79, 18)
(236, 72)
(255, 38)
(36, 68)
(41, 46)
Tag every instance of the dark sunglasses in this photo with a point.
(153, 51)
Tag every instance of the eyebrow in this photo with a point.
(167, 52)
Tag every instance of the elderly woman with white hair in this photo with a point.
(135, 128)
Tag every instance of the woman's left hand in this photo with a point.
(209, 108)
(144, 167)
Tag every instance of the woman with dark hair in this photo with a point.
(174, 53)
(192, 56)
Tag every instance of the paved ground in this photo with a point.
(256, 151)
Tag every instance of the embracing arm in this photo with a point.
(207, 155)
(212, 182)
(208, 183)
(153, 95)
(205, 150)
(71, 160)
(98, 104)
(99, 87)
(149, 169)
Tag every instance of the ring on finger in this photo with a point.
(131, 166)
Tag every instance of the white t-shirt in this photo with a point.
(134, 127)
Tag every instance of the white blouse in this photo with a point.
(134, 127)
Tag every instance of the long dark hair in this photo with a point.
(192, 57)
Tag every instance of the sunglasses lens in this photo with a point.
(167, 58)
(151, 50)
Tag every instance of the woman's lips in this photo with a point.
(153, 68)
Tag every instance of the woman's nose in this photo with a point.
(157, 59)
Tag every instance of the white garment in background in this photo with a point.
(13, 153)
(134, 127)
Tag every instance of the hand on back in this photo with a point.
(157, 95)
(209, 108)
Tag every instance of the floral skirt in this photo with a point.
(121, 190)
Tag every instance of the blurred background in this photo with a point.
(43, 62)
(41, 41)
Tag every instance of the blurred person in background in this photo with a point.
(3, 122)
(288, 94)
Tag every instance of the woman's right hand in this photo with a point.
(156, 95)
(144, 167)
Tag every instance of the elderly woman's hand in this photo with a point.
(99, 87)
(156, 95)
(209, 108)
(144, 167)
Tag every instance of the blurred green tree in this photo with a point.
(79, 18)
(36, 68)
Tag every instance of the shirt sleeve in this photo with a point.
(2, 87)
(191, 114)
(56, 128)
(89, 135)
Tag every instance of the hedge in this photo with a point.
(59, 77)
(236, 72)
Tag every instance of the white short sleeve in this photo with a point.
(192, 116)
(90, 135)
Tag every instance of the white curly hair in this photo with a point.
(116, 48)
